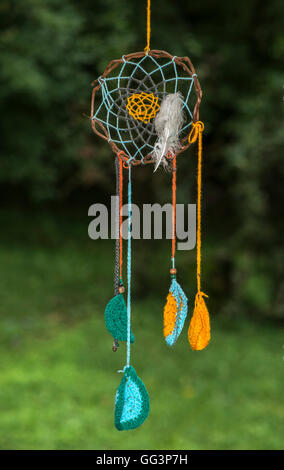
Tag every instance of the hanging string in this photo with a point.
(117, 228)
(196, 134)
(129, 268)
(120, 216)
(147, 48)
(174, 212)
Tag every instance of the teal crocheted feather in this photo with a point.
(132, 403)
(116, 318)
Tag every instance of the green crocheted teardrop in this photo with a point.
(132, 403)
(116, 318)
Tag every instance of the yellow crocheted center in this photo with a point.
(170, 313)
(143, 106)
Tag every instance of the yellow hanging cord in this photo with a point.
(199, 329)
(147, 48)
(196, 133)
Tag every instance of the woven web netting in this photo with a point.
(153, 75)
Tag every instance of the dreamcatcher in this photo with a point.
(146, 106)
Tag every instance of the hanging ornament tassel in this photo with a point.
(116, 311)
(175, 310)
(199, 328)
(132, 403)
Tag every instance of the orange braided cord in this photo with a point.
(143, 106)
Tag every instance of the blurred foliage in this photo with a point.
(51, 51)
(59, 376)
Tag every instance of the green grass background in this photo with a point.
(59, 376)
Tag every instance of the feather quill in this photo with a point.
(168, 124)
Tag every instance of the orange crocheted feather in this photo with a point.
(199, 328)
(170, 313)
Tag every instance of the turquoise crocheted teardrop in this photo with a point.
(116, 318)
(132, 403)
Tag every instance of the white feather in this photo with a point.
(168, 124)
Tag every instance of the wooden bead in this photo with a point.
(173, 271)
(121, 289)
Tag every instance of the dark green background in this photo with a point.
(58, 376)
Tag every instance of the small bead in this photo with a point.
(121, 289)
(173, 271)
